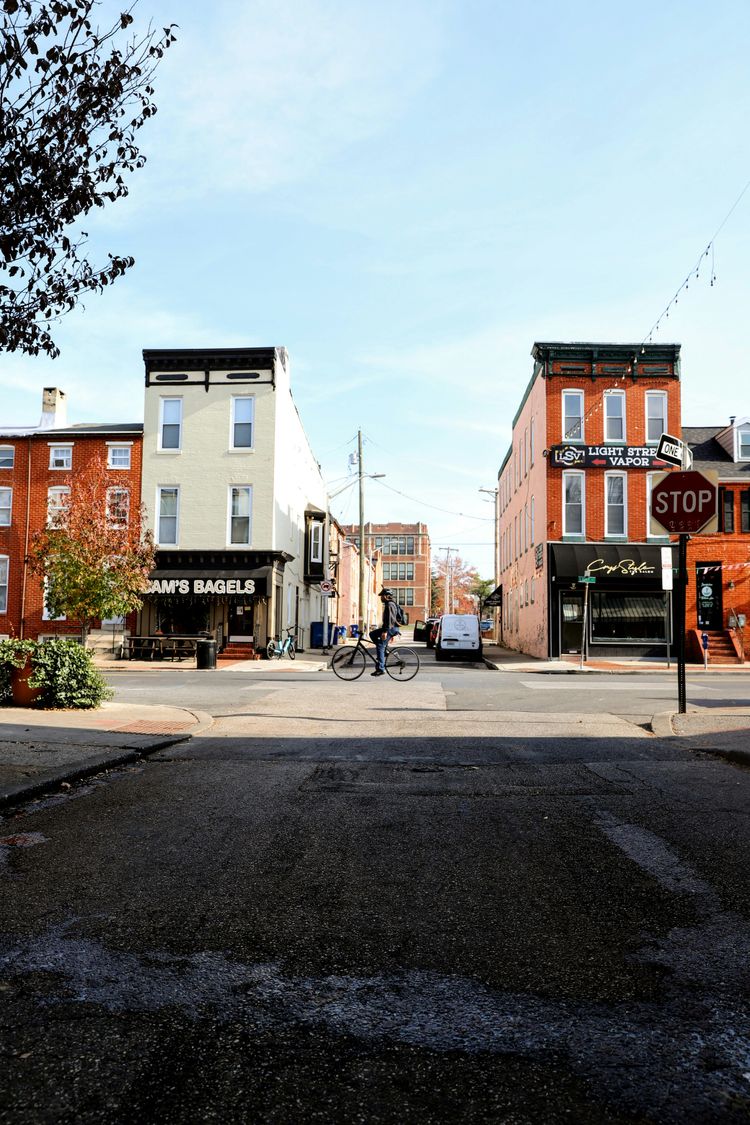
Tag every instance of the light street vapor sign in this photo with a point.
(685, 503)
(670, 449)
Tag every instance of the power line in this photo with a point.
(424, 504)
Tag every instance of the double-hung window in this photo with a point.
(46, 615)
(531, 522)
(170, 423)
(118, 457)
(615, 510)
(656, 415)
(743, 443)
(614, 416)
(240, 514)
(7, 456)
(726, 509)
(168, 509)
(58, 500)
(3, 583)
(118, 507)
(573, 503)
(61, 456)
(243, 419)
(572, 416)
(6, 504)
(316, 541)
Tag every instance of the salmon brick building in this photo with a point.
(36, 467)
(573, 496)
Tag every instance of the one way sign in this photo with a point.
(670, 450)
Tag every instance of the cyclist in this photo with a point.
(388, 628)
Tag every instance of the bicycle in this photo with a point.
(273, 648)
(350, 662)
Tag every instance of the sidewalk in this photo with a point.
(507, 660)
(312, 660)
(42, 750)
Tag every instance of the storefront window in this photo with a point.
(628, 618)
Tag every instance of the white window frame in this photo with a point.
(743, 431)
(45, 612)
(618, 396)
(531, 522)
(230, 493)
(111, 522)
(8, 452)
(167, 488)
(6, 507)
(524, 540)
(533, 590)
(531, 442)
(659, 396)
(571, 440)
(233, 422)
(569, 474)
(316, 541)
(56, 448)
(119, 447)
(57, 491)
(4, 582)
(616, 534)
(170, 448)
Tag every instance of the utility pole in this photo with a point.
(361, 535)
(449, 578)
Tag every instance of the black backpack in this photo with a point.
(400, 615)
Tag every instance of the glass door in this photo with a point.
(571, 622)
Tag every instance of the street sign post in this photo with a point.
(586, 578)
(684, 504)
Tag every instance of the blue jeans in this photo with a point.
(375, 637)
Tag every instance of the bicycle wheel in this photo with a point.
(402, 664)
(292, 651)
(349, 663)
(271, 650)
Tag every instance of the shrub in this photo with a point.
(62, 669)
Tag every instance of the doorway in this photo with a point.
(571, 622)
(708, 598)
(241, 621)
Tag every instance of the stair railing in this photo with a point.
(736, 629)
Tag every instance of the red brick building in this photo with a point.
(36, 466)
(718, 592)
(405, 552)
(572, 500)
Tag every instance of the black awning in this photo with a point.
(209, 572)
(495, 598)
(631, 562)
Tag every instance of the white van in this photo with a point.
(458, 633)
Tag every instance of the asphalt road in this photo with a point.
(390, 903)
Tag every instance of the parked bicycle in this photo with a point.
(350, 661)
(286, 648)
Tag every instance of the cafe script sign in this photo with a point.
(202, 586)
(605, 457)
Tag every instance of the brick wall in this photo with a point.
(30, 479)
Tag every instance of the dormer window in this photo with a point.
(743, 444)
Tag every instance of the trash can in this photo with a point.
(340, 634)
(205, 654)
(354, 630)
(316, 634)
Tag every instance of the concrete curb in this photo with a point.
(661, 724)
(109, 759)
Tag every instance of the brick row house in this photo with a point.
(405, 553)
(37, 465)
(572, 501)
(718, 593)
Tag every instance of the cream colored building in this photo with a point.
(234, 496)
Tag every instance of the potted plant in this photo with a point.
(58, 673)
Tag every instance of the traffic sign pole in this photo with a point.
(680, 606)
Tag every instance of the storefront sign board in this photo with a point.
(186, 586)
(604, 457)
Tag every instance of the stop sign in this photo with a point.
(684, 503)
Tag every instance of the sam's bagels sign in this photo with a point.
(186, 586)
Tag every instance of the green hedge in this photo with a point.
(63, 669)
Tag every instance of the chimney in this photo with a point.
(54, 409)
(731, 419)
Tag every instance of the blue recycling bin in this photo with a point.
(316, 634)
(354, 630)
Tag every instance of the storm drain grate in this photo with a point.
(142, 726)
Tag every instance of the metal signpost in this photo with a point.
(683, 504)
(587, 580)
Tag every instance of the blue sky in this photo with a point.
(406, 195)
